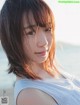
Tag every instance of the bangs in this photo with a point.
(42, 17)
(41, 14)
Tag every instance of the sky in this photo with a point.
(67, 21)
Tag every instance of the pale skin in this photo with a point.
(37, 44)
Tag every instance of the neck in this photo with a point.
(39, 70)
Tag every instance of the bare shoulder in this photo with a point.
(32, 96)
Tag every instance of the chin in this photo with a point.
(41, 60)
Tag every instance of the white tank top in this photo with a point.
(64, 91)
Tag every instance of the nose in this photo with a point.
(42, 39)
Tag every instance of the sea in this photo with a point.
(67, 57)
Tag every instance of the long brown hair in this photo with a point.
(11, 33)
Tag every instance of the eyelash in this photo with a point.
(48, 29)
(32, 32)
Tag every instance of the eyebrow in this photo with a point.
(30, 26)
(34, 25)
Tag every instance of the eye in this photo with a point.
(48, 29)
(30, 33)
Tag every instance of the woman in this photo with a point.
(27, 36)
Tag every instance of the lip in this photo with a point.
(42, 53)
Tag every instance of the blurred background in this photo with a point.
(67, 33)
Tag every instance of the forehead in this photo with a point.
(29, 19)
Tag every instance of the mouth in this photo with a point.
(42, 53)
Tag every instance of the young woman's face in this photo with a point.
(37, 41)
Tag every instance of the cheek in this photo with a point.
(29, 47)
(50, 39)
(26, 45)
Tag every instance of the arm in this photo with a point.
(34, 97)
